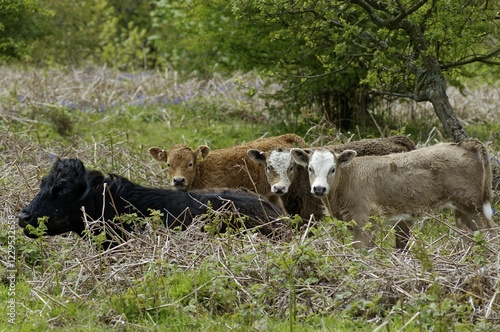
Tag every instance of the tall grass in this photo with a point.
(195, 280)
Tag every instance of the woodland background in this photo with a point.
(338, 59)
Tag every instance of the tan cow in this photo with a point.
(231, 167)
(403, 185)
(290, 181)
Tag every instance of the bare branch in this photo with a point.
(414, 96)
(481, 58)
(324, 74)
(393, 23)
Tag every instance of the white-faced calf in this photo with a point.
(290, 181)
(406, 184)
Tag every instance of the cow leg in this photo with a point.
(464, 221)
(471, 219)
(363, 237)
(402, 233)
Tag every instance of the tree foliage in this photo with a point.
(335, 57)
(18, 28)
(94, 32)
(360, 49)
(204, 36)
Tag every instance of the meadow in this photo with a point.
(199, 281)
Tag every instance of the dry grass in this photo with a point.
(477, 104)
(328, 276)
(98, 89)
(319, 274)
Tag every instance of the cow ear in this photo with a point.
(93, 179)
(257, 156)
(301, 156)
(346, 156)
(202, 152)
(158, 154)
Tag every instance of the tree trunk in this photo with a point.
(432, 84)
(435, 92)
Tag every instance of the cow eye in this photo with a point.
(60, 191)
(269, 168)
(190, 164)
(168, 165)
(290, 168)
(311, 170)
(332, 171)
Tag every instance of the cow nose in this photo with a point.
(279, 189)
(179, 181)
(24, 218)
(319, 190)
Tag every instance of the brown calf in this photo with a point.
(231, 167)
(376, 146)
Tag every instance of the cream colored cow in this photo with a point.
(403, 185)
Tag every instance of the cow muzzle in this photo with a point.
(279, 189)
(24, 219)
(179, 182)
(319, 190)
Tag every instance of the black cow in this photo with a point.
(69, 187)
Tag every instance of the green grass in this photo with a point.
(148, 125)
(197, 281)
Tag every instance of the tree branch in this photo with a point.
(392, 94)
(371, 11)
(489, 62)
(307, 77)
(393, 23)
(482, 58)
(378, 5)
(413, 96)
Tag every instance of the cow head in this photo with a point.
(62, 194)
(321, 165)
(280, 168)
(181, 163)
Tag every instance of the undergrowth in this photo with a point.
(199, 279)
